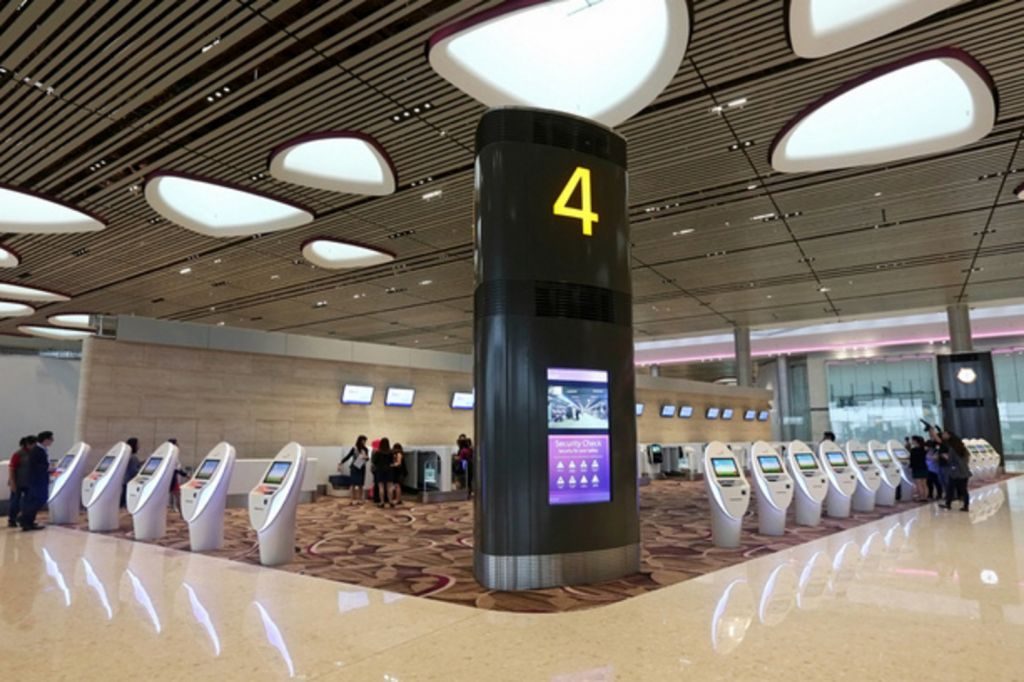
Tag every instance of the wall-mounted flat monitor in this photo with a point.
(639, 409)
(104, 464)
(399, 397)
(463, 400)
(836, 459)
(806, 461)
(762, 416)
(727, 413)
(712, 413)
(206, 469)
(150, 467)
(725, 467)
(686, 411)
(861, 457)
(668, 410)
(749, 415)
(354, 394)
(276, 473)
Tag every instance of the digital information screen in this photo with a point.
(725, 467)
(206, 469)
(639, 409)
(712, 413)
(668, 410)
(861, 457)
(399, 397)
(579, 447)
(882, 456)
(806, 461)
(149, 468)
(727, 413)
(770, 464)
(353, 394)
(104, 464)
(762, 416)
(836, 459)
(276, 473)
(66, 462)
(686, 411)
(901, 454)
(462, 400)
(749, 415)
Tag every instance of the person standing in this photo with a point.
(132, 470)
(34, 473)
(359, 456)
(919, 466)
(932, 460)
(959, 471)
(381, 462)
(25, 446)
(398, 471)
(466, 462)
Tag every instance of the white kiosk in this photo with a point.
(810, 482)
(101, 490)
(899, 454)
(842, 481)
(890, 479)
(774, 488)
(149, 492)
(272, 505)
(729, 493)
(204, 497)
(869, 476)
(65, 500)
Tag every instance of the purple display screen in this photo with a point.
(579, 447)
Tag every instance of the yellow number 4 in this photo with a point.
(580, 178)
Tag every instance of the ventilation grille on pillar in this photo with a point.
(574, 301)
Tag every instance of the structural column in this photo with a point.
(959, 316)
(782, 395)
(744, 363)
(655, 370)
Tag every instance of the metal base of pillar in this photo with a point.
(540, 571)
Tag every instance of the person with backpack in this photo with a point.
(358, 456)
(381, 460)
(959, 471)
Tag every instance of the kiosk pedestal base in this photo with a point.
(906, 490)
(863, 499)
(152, 526)
(770, 520)
(725, 531)
(277, 547)
(102, 520)
(808, 512)
(207, 535)
(837, 506)
(886, 496)
(64, 512)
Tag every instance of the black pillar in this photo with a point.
(967, 384)
(556, 499)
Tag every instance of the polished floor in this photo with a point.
(925, 594)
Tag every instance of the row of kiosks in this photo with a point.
(65, 497)
(985, 460)
(149, 493)
(273, 504)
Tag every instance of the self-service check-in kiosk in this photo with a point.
(729, 493)
(204, 496)
(65, 499)
(842, 479)
(869, 476)
(774, 488)
(890, 480)
(810, 483)
(899, 454)
(149, 491)
(979, 458)
(273, 502)
(101, 489)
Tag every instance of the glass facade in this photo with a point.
(1009, 370)
(882, 398)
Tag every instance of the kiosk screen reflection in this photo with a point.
(769, 464)
(861, 457)
(579, 446)
(277, 473)
(882, 455)
(836, 459)
(104, 464)
(805, 461)
(725, 467)
(151, 466)
(206, 469)
(66, 462)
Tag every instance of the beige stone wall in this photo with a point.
(258, 402)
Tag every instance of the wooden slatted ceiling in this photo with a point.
(130, 83)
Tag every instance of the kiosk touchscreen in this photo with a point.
(891, 473)
(65, 499)
(774, 488)
(273, 502)
(900, 455)
(101, 489)
(869, 476)
(729, 493)
(810, 482)
(204, 497)
(842, 480)
(149, 492)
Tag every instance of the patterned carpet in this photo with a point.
(426, 550)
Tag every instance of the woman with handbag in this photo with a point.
(358, 455)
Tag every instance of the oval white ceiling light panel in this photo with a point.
(25, 212)
(335, 254)
(54, 332)
(823, 27)
(8, 259)
(218, 209)
(601, 60)
(72, 320)
(340, 161)
(17, 292)
(1019, 192)
(15, 309)
(931, 102)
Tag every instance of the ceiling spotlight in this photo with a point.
(932, 102)
(335, 254)
(16, 292)
(643, 43)
(680, 233)
(426, 282)
(430, 196)
(185, 271)
(336, 161)
(966, 375)
(320, 304)
(26, 212)
(824, 290)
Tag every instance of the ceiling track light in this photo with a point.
(407, 114)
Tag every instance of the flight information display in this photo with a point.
(882, 455)
(686, 411)
(668, 410)
(727, 413)
(639, 409)
(150, 467)
(861, 457)
(725, 467)
(104, 464)
(399, 397)
(770, 464)
(805, 460)
(276, 473)
(206, 469)
(836, 459)
(762, 416)
(353, 394)
(712, 413)
(579, 445)
(463, 400)
(749, 415)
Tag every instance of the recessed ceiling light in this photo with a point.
(15, 309)
(822, 27)
(680, 233)
(435, 194)
(26, 212)
(320, 304)
(931, 102)
(73, 320)
(217, 209)
(8, 258)
(642, 44)
(337, 161)
(824, 290)
(426, 282)
(336, 254)
(185, 271)
(221, 323)
(20, 293)
(54, 332)
(878, 194)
